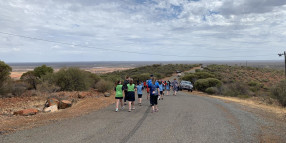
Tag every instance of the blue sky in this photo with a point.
(142, 30)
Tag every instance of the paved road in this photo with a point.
(181, 119)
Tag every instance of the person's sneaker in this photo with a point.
(116, 110)
(122, 107)
(129, 110)
(133, 108)
(125, 103)
(140, 104)
(156, 110)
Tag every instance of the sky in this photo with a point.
(141, 30)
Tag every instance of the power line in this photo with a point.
(122, 51)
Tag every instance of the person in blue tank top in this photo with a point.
(139, 88)
(154, 93)
(161, 90)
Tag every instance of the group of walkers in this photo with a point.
(155, 91)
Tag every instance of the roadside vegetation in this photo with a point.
(240, 81)
(44, 79)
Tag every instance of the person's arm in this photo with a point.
(114, 88)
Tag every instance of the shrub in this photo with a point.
(104, 86)
(235, 89)
(47, 87)
(197, 70)
(72, 79)
(212, 90)
(42, 70)
(141, 77)
(31, 79)
(253, 83)
(5, 71)
(203, 84)
(198, 75)
(279, 92)
(18, 88)
(94, 78)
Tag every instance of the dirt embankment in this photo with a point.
(9, 122)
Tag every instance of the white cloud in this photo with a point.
(182, 27)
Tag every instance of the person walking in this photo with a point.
(161, 89)
(131, 95)
(139, 88)
(119, 95)
(168, 84)
(175, 85)
(154, 93)
(126, 81)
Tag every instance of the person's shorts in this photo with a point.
(154, 100)
(139, 95)
(161, 92)
(131, 96)
(176, 89)
(118, 97)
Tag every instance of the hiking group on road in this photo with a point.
(155, 91)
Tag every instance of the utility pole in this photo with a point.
(284, 59)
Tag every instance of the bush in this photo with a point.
(18, 88)
(141, 77)
(42, 70)
(47, 87)
(5, 71)
(198, 75)
(279, 92)
(94, 78)
(72, 79)
(31, 79)
(235, 89)
(104, 86)
(212, 90)
(203, 84)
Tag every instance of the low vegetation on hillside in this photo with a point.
(240, 81)
(143, 73)
(43, 79)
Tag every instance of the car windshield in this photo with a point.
(186, 82)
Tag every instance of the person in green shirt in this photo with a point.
(131, 94)
(119, 95)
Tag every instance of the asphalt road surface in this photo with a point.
(181, 119)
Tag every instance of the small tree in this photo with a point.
(5, 71)
(72, 79)
(42, 70)
(31, 79)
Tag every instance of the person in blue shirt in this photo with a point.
(161, 88)
(139, 88)
(168, 84)
(154, 93)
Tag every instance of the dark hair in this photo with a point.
(131, 81)
(153, 80)
(118, 82)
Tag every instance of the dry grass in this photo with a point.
(250, 102)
